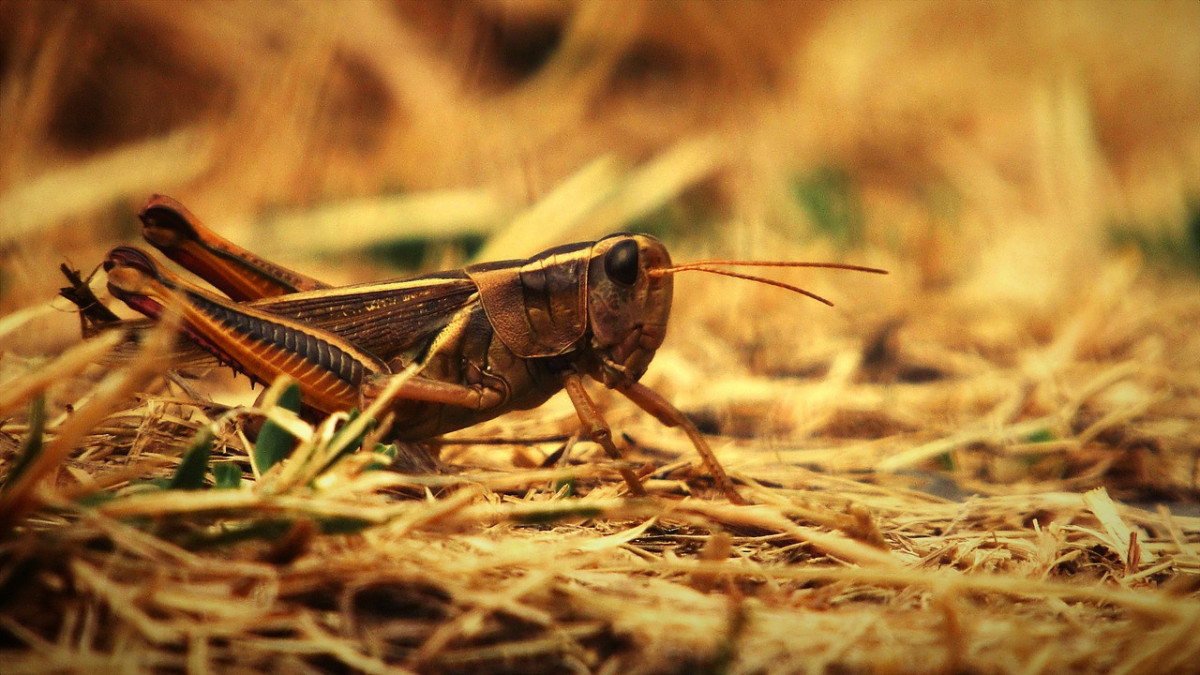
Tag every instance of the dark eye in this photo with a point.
(621, 263)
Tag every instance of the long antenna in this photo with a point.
(714, 267)
(768, 263)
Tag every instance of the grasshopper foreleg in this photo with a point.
(649, 400)
(597, 429)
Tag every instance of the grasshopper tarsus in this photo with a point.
(94, 316)
(661, 409)
(476, 342)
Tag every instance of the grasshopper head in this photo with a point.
(627, 306)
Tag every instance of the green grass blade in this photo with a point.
(274, 443)
(32, 447)
(194, 467)
(226, 475)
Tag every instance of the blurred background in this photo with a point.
(954, 133)
(1028, 171)
(1001, 152)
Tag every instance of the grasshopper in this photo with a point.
(486, 339)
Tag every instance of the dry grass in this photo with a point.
(986, 461)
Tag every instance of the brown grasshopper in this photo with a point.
(487, 339)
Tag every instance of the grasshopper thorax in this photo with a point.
(627, 306)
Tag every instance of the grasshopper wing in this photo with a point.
(387, 318)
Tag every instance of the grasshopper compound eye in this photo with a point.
(621, 262)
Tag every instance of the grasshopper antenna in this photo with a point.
(716, 267)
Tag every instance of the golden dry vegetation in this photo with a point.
(986, 461)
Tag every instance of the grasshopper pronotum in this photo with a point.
(487, 339)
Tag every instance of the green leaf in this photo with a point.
(194, 467)
(1040, 436)
(569, 484)
(831, 198)
(388, 451)
(269, 529)
(410, 253)
(32, 447)
(290, 398)
(569, 512)
(226, 475)
(1193, 231)
(142, 485)
(274, 443)
(356, 442)
(343, 524)
(1165, 243)
(96, 499)
(946, 460)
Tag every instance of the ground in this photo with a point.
(984, 461)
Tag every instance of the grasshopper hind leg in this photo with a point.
(241, 275)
